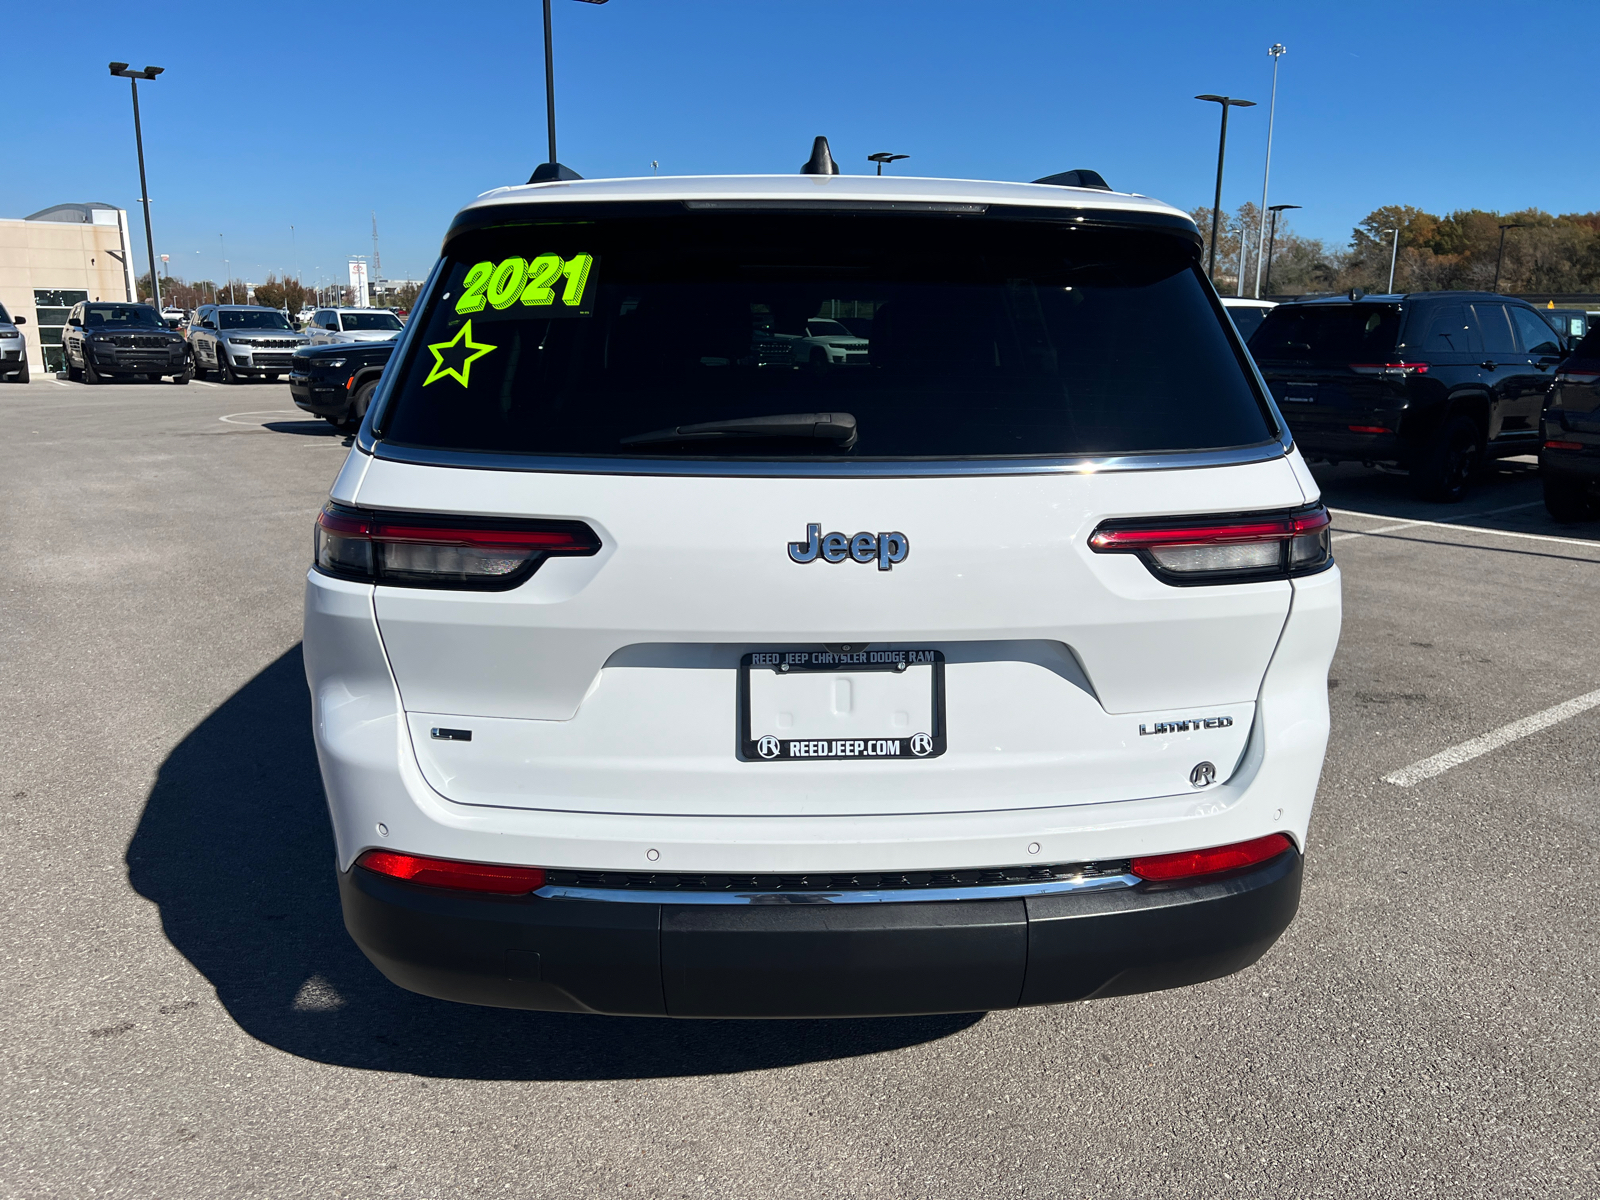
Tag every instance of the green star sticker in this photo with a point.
(461, 341)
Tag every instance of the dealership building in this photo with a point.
(55, 258)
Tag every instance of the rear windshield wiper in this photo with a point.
(837, 427)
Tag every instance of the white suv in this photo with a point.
(652, 675)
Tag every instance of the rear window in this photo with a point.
(1347, 333)
(984, 337)
(375, 322)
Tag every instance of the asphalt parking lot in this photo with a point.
(184, 1015)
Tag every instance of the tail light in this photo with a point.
(1232, 549)
(1557, 445)
(1580, 378)
(406, 550)
(1394, 370)
(460, 876)
(1188, 864)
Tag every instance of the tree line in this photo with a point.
(287, 293)
(1543, 253)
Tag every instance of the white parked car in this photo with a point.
(330, 325)
(828, 343)
(646, 680)
(1247, 314)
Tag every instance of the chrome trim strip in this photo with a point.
(864, 468)
(1097, 883)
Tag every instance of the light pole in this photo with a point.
(883, 156)
(1394, 253)
(120, 70)
(1277, 51)
(1227, 102)
(551, 170)
(1244, 247)
(1271, 240)
(1498, 257)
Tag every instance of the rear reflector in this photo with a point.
(461, 876)
(1232, 549)
(1188, 864)
(1394, 370)
(408, 550)
(1563, 445)
(1370, 429)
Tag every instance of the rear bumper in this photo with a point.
(815, 960)
(1576, 466)
(1342, 445)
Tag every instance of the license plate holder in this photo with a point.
(859, 720)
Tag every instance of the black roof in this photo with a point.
(1405, 298)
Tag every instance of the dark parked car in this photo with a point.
(1569, 458)
(336, 381)
(104, 341)
(1433, 382)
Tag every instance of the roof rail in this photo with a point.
(1082, 177)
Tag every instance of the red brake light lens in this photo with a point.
(459, 876)
(411, 550)
(1578, 377)
(1234, 549)
(1189, 864)
(1394, 370)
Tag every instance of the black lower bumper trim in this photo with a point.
(813, 960)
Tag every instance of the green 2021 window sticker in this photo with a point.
(546, 285)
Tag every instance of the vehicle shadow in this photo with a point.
(234, 848)
(312, 428)
(1506, 495)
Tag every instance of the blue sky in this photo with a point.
(316, 115)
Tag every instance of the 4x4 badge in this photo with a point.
(887, 548)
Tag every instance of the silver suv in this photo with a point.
(13, 350)
(236, 340)
(330, 325)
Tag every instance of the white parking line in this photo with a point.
(1355, 533)
(1510, 533)
(1439, 763)
(204, 383)
(259, 412)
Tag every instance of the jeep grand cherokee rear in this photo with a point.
(1433, 382)
(657, 673)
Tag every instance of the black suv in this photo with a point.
(336, 382)
(105, 341)
(1569, 459)
(1433, 382)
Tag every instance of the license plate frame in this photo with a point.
(918, 745)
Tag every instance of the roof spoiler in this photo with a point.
(1081, 178)
(821, 161)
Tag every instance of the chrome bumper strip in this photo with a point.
(998, 891)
